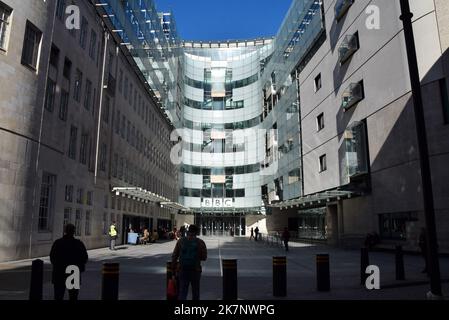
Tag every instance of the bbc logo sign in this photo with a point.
(217, 203)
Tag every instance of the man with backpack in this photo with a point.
(186, 259)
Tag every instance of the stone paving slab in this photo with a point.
(142, 272)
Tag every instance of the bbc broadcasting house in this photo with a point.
(313, 129)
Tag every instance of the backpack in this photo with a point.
(189, 253)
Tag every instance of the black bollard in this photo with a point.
(322, 272)
(400, 272)
(279, 276)
(229, 279)
(37, 280)
(109, 288)
(364, 263)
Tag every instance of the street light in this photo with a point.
(429, 211)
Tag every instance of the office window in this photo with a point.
(394, 225)
(5, 14)
(73, 142)
(54, 56)
(63, 105)
(106, 201)
(88, 94)
(320, 122)
(50, 95)
(317, 82)
(60, 9)
(105, 223)
(46, 203)
(68, 193)
(444, 100)
(293, 176)
(67, 217)
(123, 127)
(78, 219)
(79, 195)
(323, 165)
(31, 44)
(125, 95)
(103, 157)
(78, 84)
(93, 45)
(83, 32)
(83, 148)
(87, 230)
(67, 68)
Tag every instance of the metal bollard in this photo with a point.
(109, 286)
(229, 279)
(279, 276)
(322, 272)
(37, 280)
(364, 263)
(400, 272)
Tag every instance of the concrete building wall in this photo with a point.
(36, 141)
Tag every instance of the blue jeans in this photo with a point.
(189, 276)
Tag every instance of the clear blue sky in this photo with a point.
(226, 19)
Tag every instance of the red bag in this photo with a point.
(172, 292)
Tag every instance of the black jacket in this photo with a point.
(65, 252)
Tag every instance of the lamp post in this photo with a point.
(429, 211)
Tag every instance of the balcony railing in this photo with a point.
(352, 95)
(342, 7)
(347, 48)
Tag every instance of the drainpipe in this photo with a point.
(100, 107)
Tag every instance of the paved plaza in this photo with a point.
(142, 272)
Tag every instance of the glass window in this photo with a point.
(103, 157)
(67, 68)
(393, 225)
(54, 56)
(79, 195)
(60, 9)
(105, 223)
(83, 148)
(88, 94)
(323, 164)
(106, 108)
(87, 230)
(317, 82)
(320, 122)
(78, 84)
(67, 217)
(5, 14)
(31, 45)
(93, 45)
(83, 32)
(46, 203)
(63, 106)
(73, 142)
(50, 95)
(90, 196)
(69, 193)
(78, 220)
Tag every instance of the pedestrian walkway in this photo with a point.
(142, 272)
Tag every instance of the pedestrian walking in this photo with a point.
(186, 260)
(112, 235)
(66, 251)
(286, 238)
(256, 232)
(252, 234)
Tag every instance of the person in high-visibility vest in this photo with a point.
(112, 235)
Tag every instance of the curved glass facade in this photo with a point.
(222, 113)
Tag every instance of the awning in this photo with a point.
(316, 199)
(146, 196)
(175, 206)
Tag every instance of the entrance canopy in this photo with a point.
(146, 196)
(314, 200)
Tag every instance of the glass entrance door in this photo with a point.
(220, 226)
